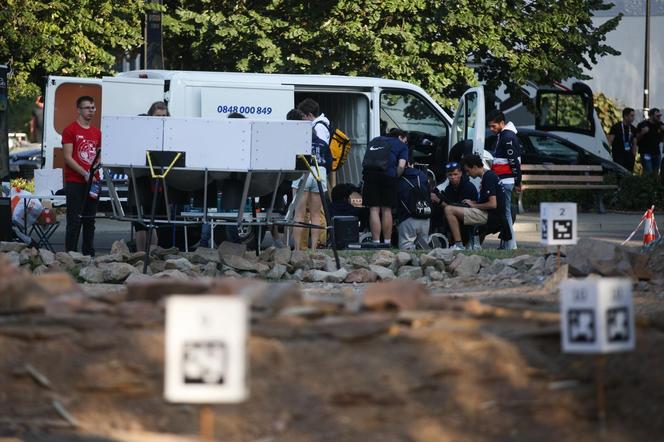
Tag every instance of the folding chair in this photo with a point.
(45, 227)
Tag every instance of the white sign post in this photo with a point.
(206, 356)
(597, 317)
(558, 224)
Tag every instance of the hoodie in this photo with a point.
(507, 156)
(406, 191)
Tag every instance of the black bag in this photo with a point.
(377, 156)
(418, 204)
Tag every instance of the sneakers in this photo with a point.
(457, 247)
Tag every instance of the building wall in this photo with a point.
(621, 77)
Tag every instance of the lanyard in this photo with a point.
(626, 136)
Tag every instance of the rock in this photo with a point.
(303, 311)
(47, 257)
(210, 270)
(228, 248)
(323, 276)
(361, 275)
(508, 271)
(404, 295)
(133, 258)
(466, 265)
(120, 248)
(496, 267)
(538, 265)
(21, 291)
(114, 257)
(239, 263)
(39, 270)
(157, 266)
(80, 258)
(137, 278)
(384, 274)
(331, 264)
(91, 274)
(262, 268)
(606, 259)
(171, 273)
(300, 260)
(277, 271)
(181, 264)
(415, 260)
(68, 305)
(161, 253)
(30, 256)
(423, 280)
(66, 260)
(403, 258)
(6, 246)
(445, 255)
(551, 264)
(434, 274)
(519, 262)
(358, 262)
(116, 272)
(282, 255)
(318, 261)
(410, 272)
(384, 258)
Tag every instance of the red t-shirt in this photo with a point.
(86, 142)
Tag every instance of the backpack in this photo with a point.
(418, 204)
(378, 156)
(338, 147)
(320, 151)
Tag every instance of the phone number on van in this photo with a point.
(258, 110)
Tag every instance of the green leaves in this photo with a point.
(76, 37)
(443, 46)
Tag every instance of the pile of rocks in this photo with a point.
(233, 260)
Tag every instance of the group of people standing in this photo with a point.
(627, 141)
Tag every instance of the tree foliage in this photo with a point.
(65, 37)
(443, 46)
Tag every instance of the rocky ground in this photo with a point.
(431, 346)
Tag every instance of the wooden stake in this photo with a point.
(206, 423)
(600, 364)
(558, 259)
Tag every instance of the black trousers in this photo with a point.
(79, 204)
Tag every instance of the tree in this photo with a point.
(443, 46)
(65, 37)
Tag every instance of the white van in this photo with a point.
(362, 107)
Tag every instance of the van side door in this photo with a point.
(469, 121)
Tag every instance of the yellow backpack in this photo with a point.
(339, 146)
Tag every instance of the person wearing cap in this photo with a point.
(459, 188)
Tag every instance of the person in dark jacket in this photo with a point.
(458, 189)
(413, 227)
(506, 164)
(488, 210)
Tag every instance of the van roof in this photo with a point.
(290, 79)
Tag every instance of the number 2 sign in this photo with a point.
(558, 224)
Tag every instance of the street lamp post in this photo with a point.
(646, 65)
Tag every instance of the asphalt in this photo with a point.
(613, 227)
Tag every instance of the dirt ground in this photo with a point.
(464, 371)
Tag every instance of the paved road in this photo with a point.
(614, 227)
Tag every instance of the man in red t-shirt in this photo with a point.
(80, 144)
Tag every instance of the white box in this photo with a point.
(558, 224)
(275, 145)
(210, 143)
(206, 349)
(126, 139)
(597, 315)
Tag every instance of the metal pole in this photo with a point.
(646, 64)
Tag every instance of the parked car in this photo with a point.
(24, 161)
(541, 147)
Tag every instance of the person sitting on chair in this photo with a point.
(459, 188)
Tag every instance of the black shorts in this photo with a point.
(379, 191)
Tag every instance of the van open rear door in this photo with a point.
(60, 111)
(470, 120)
(570, 114)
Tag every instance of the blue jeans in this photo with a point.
(511, 244)
(651, 165)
